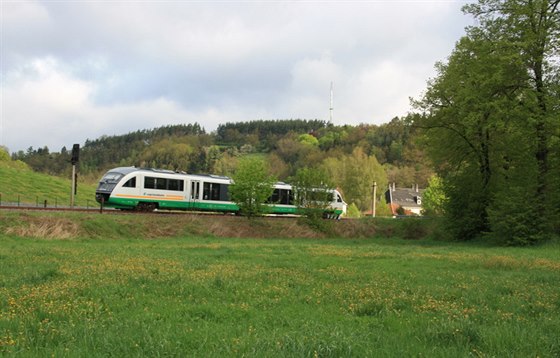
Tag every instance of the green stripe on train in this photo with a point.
(124, 203)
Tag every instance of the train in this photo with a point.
(149, 189)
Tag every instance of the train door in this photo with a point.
(195, 193)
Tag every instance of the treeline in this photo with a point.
(355, 156)
(493, 123)
(264, 133)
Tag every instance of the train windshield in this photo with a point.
(112, 177)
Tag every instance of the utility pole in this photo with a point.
(373, 195)
(74, 160)
(331, 108)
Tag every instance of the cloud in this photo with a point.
(82, 69)
(43, 105)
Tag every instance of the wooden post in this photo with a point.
(373, 201)
(73, 190)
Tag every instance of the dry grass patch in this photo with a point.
(52, 228)
(259, 228)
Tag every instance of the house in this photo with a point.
(409, 199)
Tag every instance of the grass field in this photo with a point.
(20, 184)
(206, 296)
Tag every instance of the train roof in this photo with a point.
(128, 170)
(210, 176)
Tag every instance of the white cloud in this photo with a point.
(77, 70)
(43, 105)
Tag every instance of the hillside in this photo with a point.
(354, 156)
(18, 183)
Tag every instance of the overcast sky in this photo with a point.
(77, 70)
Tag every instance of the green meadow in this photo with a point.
(115, 293)
(20, 184)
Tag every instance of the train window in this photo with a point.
(149, 183)
(281, 196)
(130, 183)
(157, 183)
(177, 185)
(161, 183)
(338, 198)
(286, 197)
(224, 192)
(211, 191)
(274, 198)
(112, 177)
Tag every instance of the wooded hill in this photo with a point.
(356, 156)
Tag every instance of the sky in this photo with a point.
(81, 69)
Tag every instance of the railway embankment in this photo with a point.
(88, 225)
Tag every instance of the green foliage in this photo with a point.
(353, 212)
(145, 147)
(513, 220)
(355, 174)
(382, 208)
(312, 191)
(489, 116)
(252, 186)
(167, 154)
(434, 199)
(308, 139)
(4, 154)
(235, 133)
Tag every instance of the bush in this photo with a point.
(353, 212)
(414, 228)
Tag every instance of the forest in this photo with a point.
(484, 138)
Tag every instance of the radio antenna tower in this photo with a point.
(331, 106)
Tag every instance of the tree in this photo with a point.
(252, 186)
(355, 174)
(433, 199)
(4, 154)
(312, 191)
(490, 116)
(167, 154)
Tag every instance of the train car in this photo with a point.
(149, 189)
(131, 188)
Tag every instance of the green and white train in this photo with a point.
(131, 188)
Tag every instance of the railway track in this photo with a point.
(111, 211)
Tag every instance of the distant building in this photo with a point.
(408, 199)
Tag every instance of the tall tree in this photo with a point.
(491, 116)
(531, 28)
